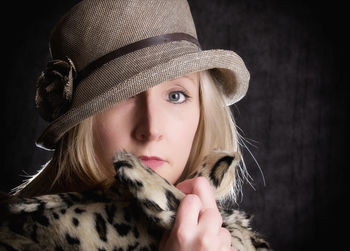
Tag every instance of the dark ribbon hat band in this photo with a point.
(148, 42)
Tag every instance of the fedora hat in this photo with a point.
(104, 51)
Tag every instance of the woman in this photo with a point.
(131, 75)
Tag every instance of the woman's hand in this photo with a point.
(198, 221)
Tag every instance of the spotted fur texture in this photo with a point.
(131, 215)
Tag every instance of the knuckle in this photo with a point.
(191, 200)
(181, 235)
(214, 214)
(204, 241)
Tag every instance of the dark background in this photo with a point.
(293, 114)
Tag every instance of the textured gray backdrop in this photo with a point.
(293, 114)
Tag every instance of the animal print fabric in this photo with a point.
(131, 215)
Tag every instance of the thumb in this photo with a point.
(200, 187)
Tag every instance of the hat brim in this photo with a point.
(227, 67)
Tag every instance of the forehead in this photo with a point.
(193, 77)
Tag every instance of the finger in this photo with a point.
(199, 186)
(185, 186)
(188, 212)
(225, 236)
(210, 219)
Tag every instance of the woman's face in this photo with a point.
(158, 126)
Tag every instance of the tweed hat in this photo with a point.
(104, 51)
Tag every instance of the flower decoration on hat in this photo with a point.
(54, 89)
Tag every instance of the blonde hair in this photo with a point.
(215, 117)
(74, 166)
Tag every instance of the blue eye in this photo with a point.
(178, 97)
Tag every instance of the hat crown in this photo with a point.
(94, 28)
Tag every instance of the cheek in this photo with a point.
(187, 137)
(183, 133)
(102, 140)
(109, 136)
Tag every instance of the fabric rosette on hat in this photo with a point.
(55, 89)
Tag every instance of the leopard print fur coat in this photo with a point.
(131, 215)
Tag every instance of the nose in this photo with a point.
(148, 118)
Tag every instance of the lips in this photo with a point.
(152, 162)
